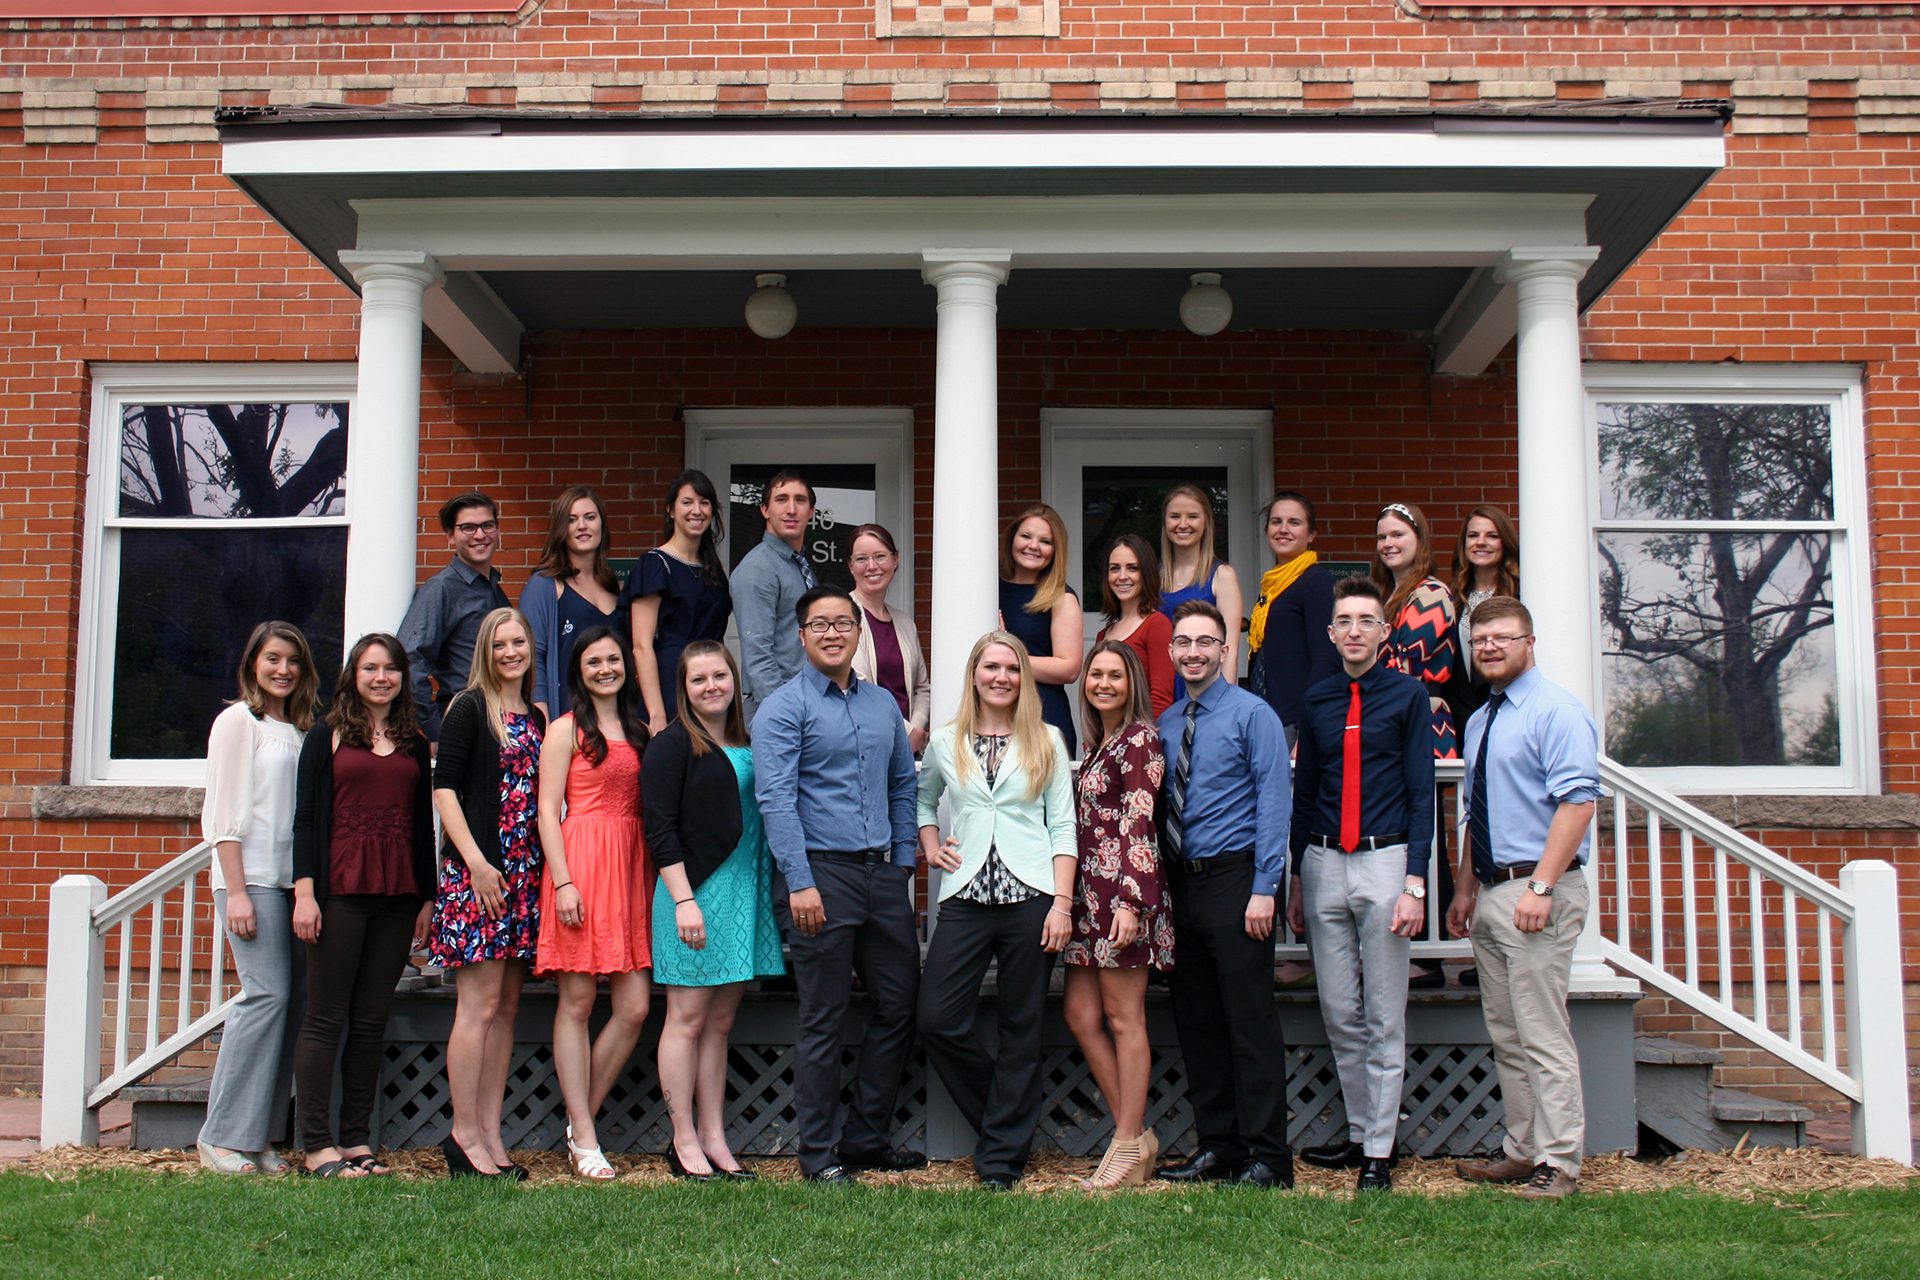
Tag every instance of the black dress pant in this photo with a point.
(351, 973)
(869, 927)
(1223, 1010)
(999, 1093)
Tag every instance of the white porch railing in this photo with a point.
(167, 948)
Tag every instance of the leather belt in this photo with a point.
(1369, 843)
(1219, 862)
(867, 857)
(1513, 871)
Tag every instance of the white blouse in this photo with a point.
(250, 772)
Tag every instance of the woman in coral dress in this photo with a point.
(595, 898)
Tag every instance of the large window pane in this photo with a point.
(188, 600)
(232, 461)
(1122, 500)
(1719, 648)
(1715, 461)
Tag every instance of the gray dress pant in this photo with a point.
(253, 1076)
(1361, 966)
(869, 927)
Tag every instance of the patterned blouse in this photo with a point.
(993, 885)
(1120, 854)
(1422, 646)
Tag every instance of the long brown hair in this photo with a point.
(626, 703)
(1052, 584)
(348, 716)
(1149, 576)
(711, 567)
(1030, 737)
(556, 561)
(483, 681)
(1506, 576)
(1408, 514)
(736, 725)
(1139, 697)
(303, 704)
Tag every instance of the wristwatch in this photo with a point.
(1540, 887)
(1418, 892)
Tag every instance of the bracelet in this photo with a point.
(681, 902)
(1061, 910)
(567, 884)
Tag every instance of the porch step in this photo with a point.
(167, 1114)
(1676, 1098)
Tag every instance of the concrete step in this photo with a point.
(167, 1114)
(1675, 1098)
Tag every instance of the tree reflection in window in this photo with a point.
(233, 461)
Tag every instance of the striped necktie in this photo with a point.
(1175, 838)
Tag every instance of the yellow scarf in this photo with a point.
(1272, 583)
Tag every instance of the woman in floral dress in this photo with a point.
(1122, 925)
(486, 917)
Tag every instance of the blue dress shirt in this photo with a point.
(1240, 785)
(1545, 752)
(1396, 761)
(439, 632)
(766, 587)
(832, 771)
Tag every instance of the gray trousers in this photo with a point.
(1523, 992)
(1361, 965)
(253, 1076)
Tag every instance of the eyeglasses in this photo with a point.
(1497, 643)
(839, 626)
(1341, 626)
(469, 529)
(1202, 643)
(874, 561)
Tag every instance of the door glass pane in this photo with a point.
(188, 600)
(845, 495)
(1719, 649)
(1122, 500)
(231, 461)
(1716, 461)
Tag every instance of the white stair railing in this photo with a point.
(167, 948)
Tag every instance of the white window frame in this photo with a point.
(1839, 387)
(115, 386)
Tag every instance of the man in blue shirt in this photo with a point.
(1362, 835)
(1223, 840)
(1533, 777)
(834, 777)
(767, 585)
(443, 620)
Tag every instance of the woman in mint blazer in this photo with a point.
(1006, 898)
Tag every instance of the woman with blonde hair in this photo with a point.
(1190, 567)
(486, 918)
(1006, 897)
(253, 752)
(572, 589)
(1121, 924)
(1038, 607)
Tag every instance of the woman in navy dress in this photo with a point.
(1191, 570)
(1038, 606)
(573, 589)
(677, 593)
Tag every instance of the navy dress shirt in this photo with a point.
(1240, 789)
(1396, 761)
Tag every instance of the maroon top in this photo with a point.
(373, 822)
(888, 668)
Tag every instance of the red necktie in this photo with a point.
(1350, 774)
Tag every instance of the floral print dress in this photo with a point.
(1120, 854)
(462, 933)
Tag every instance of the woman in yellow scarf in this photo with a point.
(1287, 643)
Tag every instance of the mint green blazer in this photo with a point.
(1029, 833)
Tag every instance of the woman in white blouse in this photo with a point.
(247, 817)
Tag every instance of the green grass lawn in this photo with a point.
(146, 1224)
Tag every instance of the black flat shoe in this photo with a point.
(893, 1160)
(1201, 1166)
(1335, 1155)
(1258, 1173)
(739, 1175)
(1375, 1175)
(459, 1166)
(681, 1171)
(1428, 980)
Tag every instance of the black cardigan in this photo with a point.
(691, 804)
(469, 766)
(313, 815)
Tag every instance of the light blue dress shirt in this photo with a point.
(766, 587)
(1240, 790)
(833, 771)
(1545, 752)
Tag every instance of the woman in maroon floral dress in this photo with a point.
(1121, 923)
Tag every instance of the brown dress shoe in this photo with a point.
(1505, 1169)
(1549, 1183)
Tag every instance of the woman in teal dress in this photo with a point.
(713, 926)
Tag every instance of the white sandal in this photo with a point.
(220, 1160)
(588, 1162)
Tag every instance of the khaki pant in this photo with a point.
(1523, 992)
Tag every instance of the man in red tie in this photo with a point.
(1361, 835)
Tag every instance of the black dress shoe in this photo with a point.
(681, 1171)
(1376, 1174)
(998, 1181)
(893, 1160)
(1201, 1166)
(1428, 979)
(835, 1174)
(1258, 1173)
(459, 1166)
(1335, 1155)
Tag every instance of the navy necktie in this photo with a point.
(1478, 826)
(1175, 838)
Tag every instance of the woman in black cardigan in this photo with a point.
(486, 917)
(362, 890)
(713, 927)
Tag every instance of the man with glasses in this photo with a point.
(444, 618)
(834, 777)
(767, 584)
(1532, 781)
(1224, 808)
(1362, 833)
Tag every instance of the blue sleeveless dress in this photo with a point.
(1035, 630)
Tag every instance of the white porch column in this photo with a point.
(966, 461)
(383, 451)
(1554, 523)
